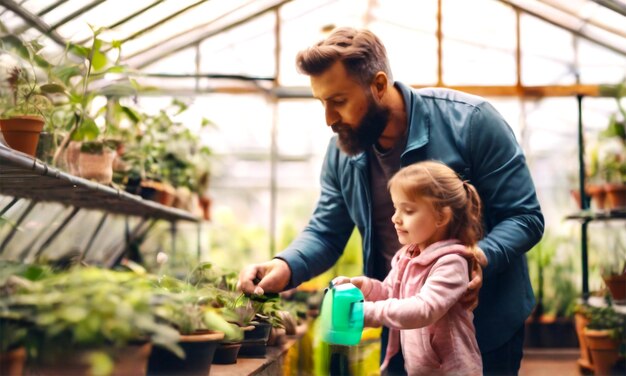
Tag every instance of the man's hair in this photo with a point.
(361, 52)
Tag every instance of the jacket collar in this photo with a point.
(418, 118)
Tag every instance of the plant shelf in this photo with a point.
(23, 176)
(588, 215)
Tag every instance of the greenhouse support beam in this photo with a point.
(591, 21)
(76, 13)
(50, 7)
(9, 205)
(206, 35)
(574, 31)
(83, 255)
(161, 21)
(23, 216)
(137, 233)
(485, 91)
(173, 231)
(40, 14)
(22, 255)
(615, 6)
(34, 21)
(54, 234)
(584, 200)
(127, 18)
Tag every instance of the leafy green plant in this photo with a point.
(21, 91)
(604, 318)
(88, 308)
(85, 81)
(166, 150)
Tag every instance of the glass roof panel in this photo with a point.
(303, 23)
(59, 13)
(415, 60)
(146, 19)
(246, 50)
(190, 19)
(547, 53)
(599, 65)
(104, 15)
(471, 51)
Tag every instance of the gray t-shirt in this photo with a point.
(382, 166)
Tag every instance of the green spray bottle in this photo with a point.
(342, 315)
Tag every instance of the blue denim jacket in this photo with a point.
(469, 135)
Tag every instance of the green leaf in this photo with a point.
(87, 131)
(52, 88)
(131, 113)
(118, 90)
(101, 363)
(79, 50)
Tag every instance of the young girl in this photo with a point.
(437, 219)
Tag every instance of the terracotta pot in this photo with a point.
(617, 286)
(576, 196)
(98, 167)
(597, 194)
(22, 132)
(615, 196)
(128, 360)
(182, 198)
(205, 205)
(199, 352)
(585, 356)
(604, 350)
(166, 194)
(71, 154)
(12, 362)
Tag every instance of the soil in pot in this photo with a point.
(199, 352)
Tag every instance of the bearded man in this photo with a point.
(381, 126)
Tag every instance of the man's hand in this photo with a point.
(270, 276)
(478, 261)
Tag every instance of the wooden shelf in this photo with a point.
(25, 177)
(608, 215)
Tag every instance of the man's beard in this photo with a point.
(355, 140)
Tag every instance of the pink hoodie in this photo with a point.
(422, 311)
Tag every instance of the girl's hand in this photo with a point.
(340, 280)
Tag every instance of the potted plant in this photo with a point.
(608, 158)
(89, 320)
(85, 82)
(614, 278)
(24, 104)
(604, 333)
(201, 329)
